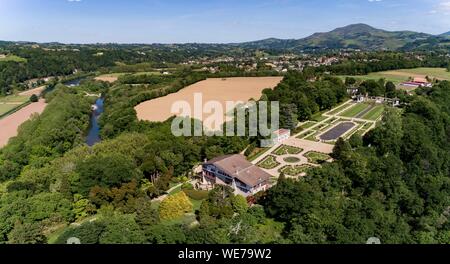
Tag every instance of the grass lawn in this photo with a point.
(305, 134)
(296, 170)
(292, 160)
(285, 150)
(14, 99)
(338, 109)
(268, 163)
(316, 157)
(13, 58)
(319, 117)
(308, 124)
(4, 108)
(375, 113)
(312, 137)
(355, 110)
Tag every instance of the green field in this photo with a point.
(4, 108)
(14, 99)
(13, 58)
(355, 110)
(399, 76)
(375, 113)
(119, 74)
(10, 102)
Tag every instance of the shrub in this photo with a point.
(175, 206)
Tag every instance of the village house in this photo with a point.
(236, 172)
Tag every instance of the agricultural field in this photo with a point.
(11, 123)
(240, 89)
(113, 77)
(399, 76)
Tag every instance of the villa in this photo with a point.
(236, 172)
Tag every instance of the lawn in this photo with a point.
(308, 124)
(296, 170)
(268, 163)
(4, 108)
(14, 99)
(292, 160)
(316, 157)
(285, 150)
(319, 117)
(375, 113)
(355, 110)
(338, 109)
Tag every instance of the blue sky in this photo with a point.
(180, 21)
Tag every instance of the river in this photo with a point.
(93, 136)
(74, 82)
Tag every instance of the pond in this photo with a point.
(337, 131)
(93, 136)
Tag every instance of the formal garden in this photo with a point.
(317, 157)
(287, 150)
(295, 170)
(269, 162)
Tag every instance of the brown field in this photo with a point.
(36, 91)
(11, 123)
(221, 90)
(107, 78)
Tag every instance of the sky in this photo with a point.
(208, 21)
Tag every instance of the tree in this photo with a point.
(88, 233)
(288, 116)
(350, 81)
(239, 204)
(175, 206)
(341, 148)
(121, 229)
(34, 98)
(28, 233)
(390, 90)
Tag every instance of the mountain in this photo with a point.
(447, 34)
(357, 36)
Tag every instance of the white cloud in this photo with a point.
(373, 1)
(445, 5)
(74, 1)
